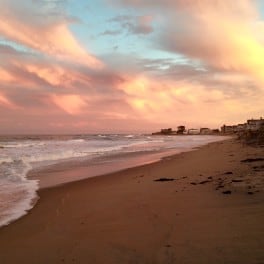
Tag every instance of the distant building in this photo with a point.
(205, 131)
(255, 124)
(193, 131)
(165, 131)
(251, 124)
(215, 131)
(180, 130)
(228, 129)
(241, 127)
(234, 128)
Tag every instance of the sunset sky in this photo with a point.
(105, 66)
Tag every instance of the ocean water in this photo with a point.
(21, 154)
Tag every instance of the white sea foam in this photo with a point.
(21, 145)
(17, 193)
(129, 136)
(75, 141)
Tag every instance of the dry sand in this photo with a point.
(128, 217)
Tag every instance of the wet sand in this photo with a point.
(204, 206)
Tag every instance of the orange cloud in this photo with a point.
(220, 34)
(5, 102)
(5, 76)
(54, 39)
(72, 104)
(169, 101)
(53, 75)
(229, 44)
(172, 102)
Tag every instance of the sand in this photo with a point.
(206, 207)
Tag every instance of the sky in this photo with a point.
(125, 66)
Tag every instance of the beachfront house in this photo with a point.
(215, 131)
(166, 131)
(251, 124)
(255, 124)
(205, 131)
(193, 131)
(180, 130)
(228, 129)
(241, 127)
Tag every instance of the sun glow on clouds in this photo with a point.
(71, 104)
(5, 76)
(228, 40)
(5, 102)
(155, 99)
(237, 49)
(65, 46)
(53, 75)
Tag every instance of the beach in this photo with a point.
(202, 206)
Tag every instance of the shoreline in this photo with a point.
(132, 161)
(130, 217)
(97, 168)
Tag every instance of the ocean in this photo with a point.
(21, 154)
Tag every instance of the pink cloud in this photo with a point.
(51, 37)
(70, 103)
(171, 101)
(5, 76)
(237, 8)
(4, 101)
(217, 38)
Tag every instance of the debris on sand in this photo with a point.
(252, 160)
(164, 179)
(227, 192)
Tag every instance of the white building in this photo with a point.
(205, 131)
(241, 127)
(255, 124)
(193, 131)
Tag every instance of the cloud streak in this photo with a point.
(70, 103)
